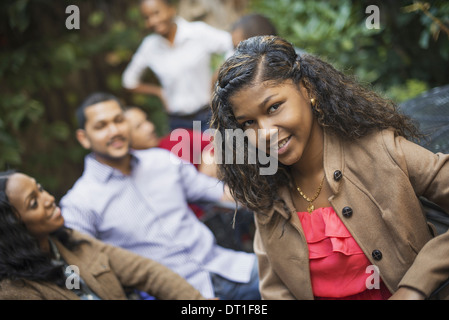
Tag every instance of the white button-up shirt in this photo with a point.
(184, 68)
(147, 212)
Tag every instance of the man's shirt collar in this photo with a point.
(103, 172)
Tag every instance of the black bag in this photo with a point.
(435, 215)
(438, 218)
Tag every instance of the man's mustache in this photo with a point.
(116, 138)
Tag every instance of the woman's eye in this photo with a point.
(33, 204)
(247, 123)
(274, 107)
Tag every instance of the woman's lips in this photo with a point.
(56, 213)
(283, 145)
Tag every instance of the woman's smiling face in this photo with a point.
(35, 206)
(284, 108)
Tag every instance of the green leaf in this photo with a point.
(424, 39)
(58, 130)
(18, 15)
(96, 18)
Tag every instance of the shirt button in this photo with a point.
(338, 175)
(377, 255)
(347, 212)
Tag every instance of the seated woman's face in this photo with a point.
(35, 206)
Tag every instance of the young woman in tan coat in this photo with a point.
(341, 217)
(41, 259)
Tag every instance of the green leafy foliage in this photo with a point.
(46, 70)
(409, 48)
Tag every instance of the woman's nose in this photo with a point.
(266, 131)
(49, 199)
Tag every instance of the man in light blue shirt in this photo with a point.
(138, 200)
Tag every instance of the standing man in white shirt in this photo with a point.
(179, 53)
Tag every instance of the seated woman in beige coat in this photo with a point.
(41, 259)
(341, 218)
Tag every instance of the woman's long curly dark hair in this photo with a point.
(344, 107)
(20, 255)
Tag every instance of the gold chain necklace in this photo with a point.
(311, 207)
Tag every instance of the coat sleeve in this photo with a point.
(271, 287)
(147, 275)
(429, 175)
(217, 41)
(11, 291)
(198, 186)
(150, 276)
(131, 77)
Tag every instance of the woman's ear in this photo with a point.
(305, 92)
(82, 138)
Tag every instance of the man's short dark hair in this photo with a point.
(94, 98)
(171, 3)
(255, 24)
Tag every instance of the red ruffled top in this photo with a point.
(338, 267)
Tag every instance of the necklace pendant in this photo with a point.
(310, 208)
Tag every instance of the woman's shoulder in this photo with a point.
(375, 141)
(377, 148)
(80, 236)
(383, 147)
(18, 290)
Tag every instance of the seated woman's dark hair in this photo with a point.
(20, 255)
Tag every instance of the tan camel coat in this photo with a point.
(375, 182)
(106, 270)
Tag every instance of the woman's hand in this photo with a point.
(405, 293)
